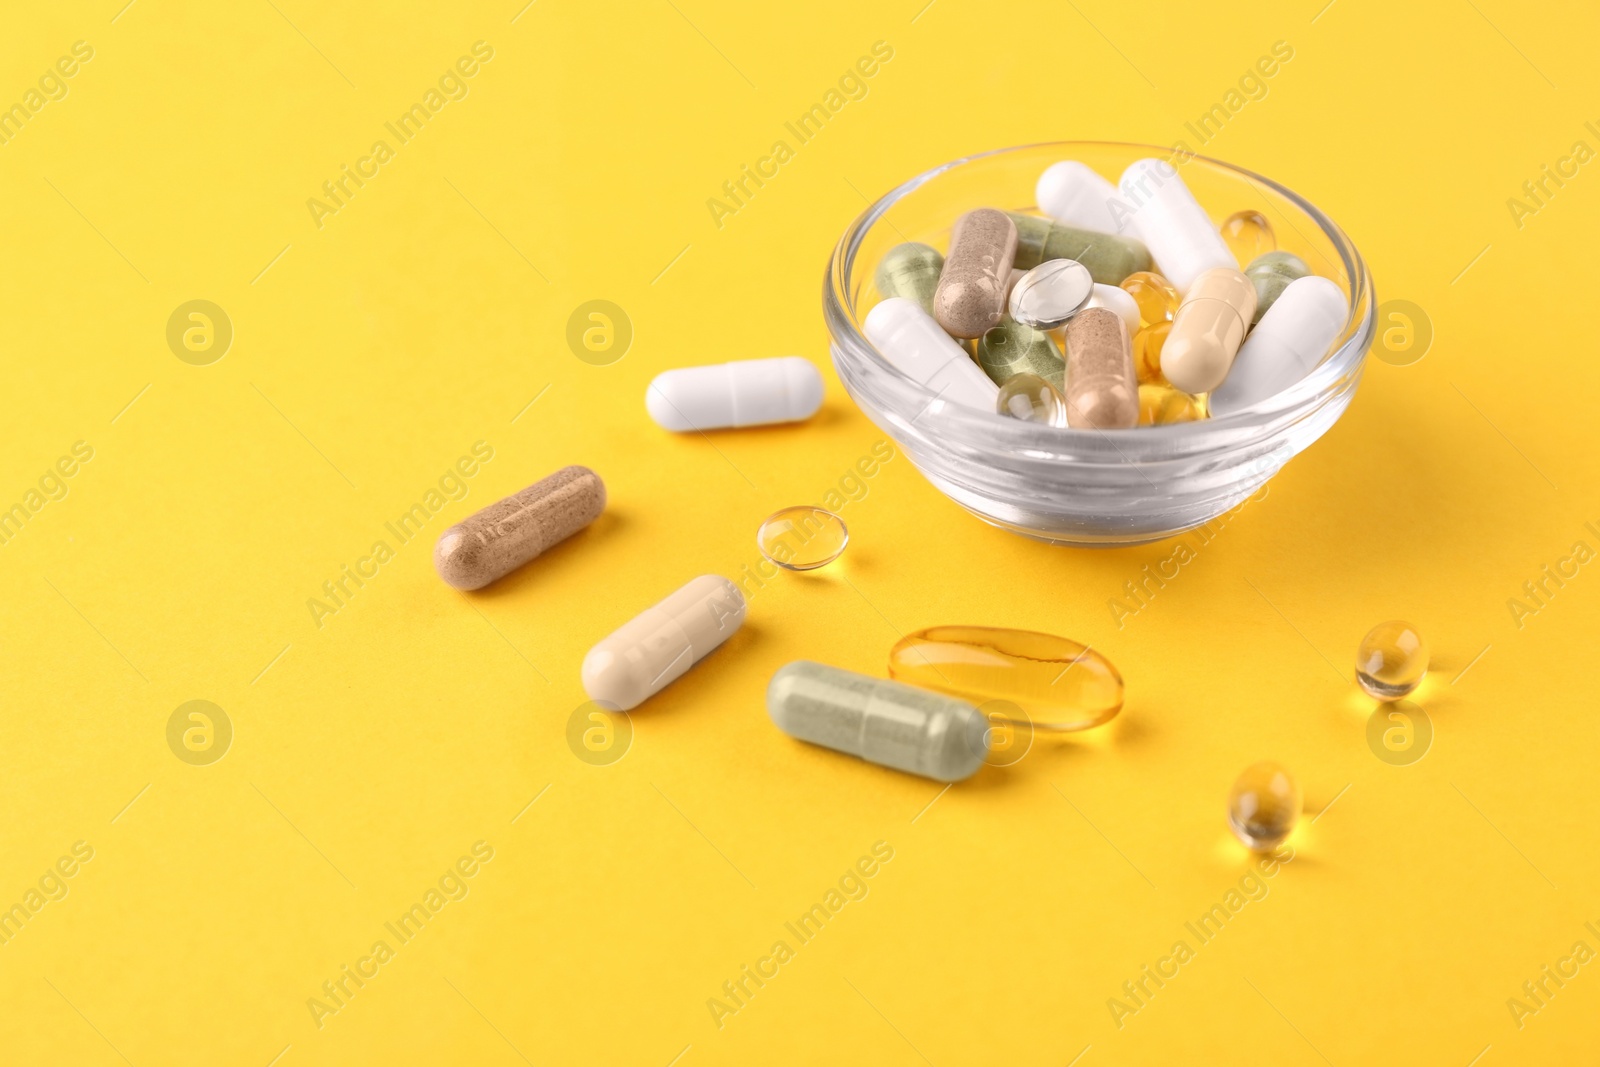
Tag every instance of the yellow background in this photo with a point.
(372, 752)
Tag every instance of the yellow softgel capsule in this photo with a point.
(1248, 234)
(802, 538)
(1147, 345)
(1058, 684)
(1162, 405)
(1264, 806)
(1156, 297)
(1391, 660)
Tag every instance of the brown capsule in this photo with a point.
(492, 543)
(977, 273)
(1102, 392)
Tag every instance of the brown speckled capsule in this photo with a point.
(1102, 392)
(972, 287)
(492, 543)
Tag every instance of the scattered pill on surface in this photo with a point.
(495, 541)
(1264, 806)
(888, 723)
(802, 538)
(751, 392)
(1391, 660)
(1058, 684)
(655, 647)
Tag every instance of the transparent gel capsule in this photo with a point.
(1156, 297)
(802, 538)
(1264, 806)
(1051, 293)
(1248, 234)
(1391, 660)
(1162, 405)
(1147, 345)
(1057, 684)
(1032, 399)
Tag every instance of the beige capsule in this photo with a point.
(977, 273)
(654, 648)
(508, 533)
(1207, 330)
(1102, 392)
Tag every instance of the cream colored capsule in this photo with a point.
(1207, 330)
(1102, 391)
(655, 647)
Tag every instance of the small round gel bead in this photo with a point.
(1156, 297)
(1162, 405)
(1391, 660)
(1032, 399)
(1264, 806)
(802, 538)
(1147, 344)
(1248, 234)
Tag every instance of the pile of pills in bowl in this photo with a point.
(1071, 320)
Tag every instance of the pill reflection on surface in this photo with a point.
(495, 541)
(880, 721)
(655, 647)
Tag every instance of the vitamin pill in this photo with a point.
(1073, 193)
(1116, 299)
(1157, 299)
(1285, 346)
(1271, 273)
(1110, 258)
(1051, 293)
(910, 270)
(880, 721)
(1264, 806)
(1162, 405)
(1247, 234)
(802, 538)
(917, 346)
(1147, 345)
(655, 647)
(971, 295)
(1173, 224)
(1032, 399)
(1207, 330)
(1012, 348)
(1391, 660)
(751, 392)
(1102, 392)
(1058, 684)
(492, 543)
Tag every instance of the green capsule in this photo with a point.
(910, 270)
(1109, 258)
(1012, 348)
(1272, 272)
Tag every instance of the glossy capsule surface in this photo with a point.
(1181, 237)
(1391, 660)
(915, 344)
(1247, 234)
(802, 538)
(1147, 345)
(1162, 405)
(749, 392)
(1206, 333)
(1102, 391)
(1030, 398)
(491, 543)
(1109, 257)
(883, 722)
(910, 270)
(1059, 684)
(1156, 297)
(1011, 349)
(654, 648)
(1271, 273)
(1264, 805)
(971, 295)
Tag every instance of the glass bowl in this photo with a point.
(1089, 487)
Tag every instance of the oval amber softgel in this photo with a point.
(1264, 806)
(802, 538)
(1162, 405)
(1248, 234)
(1147, 345)
(1391, 660)
(1157, 298)
(1058, 684)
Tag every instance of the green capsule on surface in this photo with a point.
(1110, 258)
(910, 270)
(1272, 272)
(1012, 348)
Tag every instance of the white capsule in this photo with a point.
(751, 392)
(1073, 193)
(910, 339)
(656, 646)
(1285, 346)
(1115, 298)
(1172, 223)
